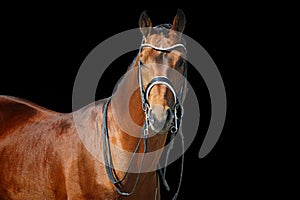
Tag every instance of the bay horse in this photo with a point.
(42, 155)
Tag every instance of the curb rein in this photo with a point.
(174, 129)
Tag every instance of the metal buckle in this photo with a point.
(173, 129)
(177, 109)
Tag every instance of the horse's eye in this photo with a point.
(180, 63)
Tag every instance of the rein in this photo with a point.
(108, 161)
(177, 109)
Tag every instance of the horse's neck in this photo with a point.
(126, 105)
(126, 119)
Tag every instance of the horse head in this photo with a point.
(162, 53)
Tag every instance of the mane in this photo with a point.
(162, 29)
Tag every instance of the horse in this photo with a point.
(43, 155)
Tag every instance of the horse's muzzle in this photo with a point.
(160, 119)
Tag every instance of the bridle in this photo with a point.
(177, 117)
(162, 80)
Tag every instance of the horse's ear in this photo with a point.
(145, 24)
(179, 21)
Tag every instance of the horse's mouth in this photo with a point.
(161, 125)
(158, 130)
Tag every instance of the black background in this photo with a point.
(43, 46)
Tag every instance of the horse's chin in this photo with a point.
(158, 130)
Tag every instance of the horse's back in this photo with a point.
(16, 113)
(42, 156)
(30, 139)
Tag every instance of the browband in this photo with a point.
(162, 48)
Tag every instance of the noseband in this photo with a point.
(176, 108)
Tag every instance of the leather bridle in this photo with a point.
(177, 111)
(162, 80)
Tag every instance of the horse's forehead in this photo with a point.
(160, 40)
